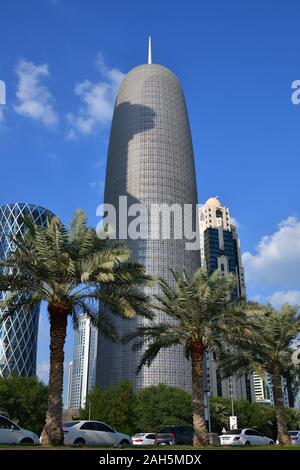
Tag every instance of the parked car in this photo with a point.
(178, 434)
(295, 436)
(143, 439)
(93, 433)
(244, 437)
(11, 433)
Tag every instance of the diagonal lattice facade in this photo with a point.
(18, 334)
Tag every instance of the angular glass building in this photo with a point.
(18, 334)
(151, 161)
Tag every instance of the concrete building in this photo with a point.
(18, 333)
(81, 373)
(263, 393)
(151, 161)
(220, 250)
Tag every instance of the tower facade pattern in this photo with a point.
(18, 333)
(151, 161)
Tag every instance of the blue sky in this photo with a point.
(62, 61)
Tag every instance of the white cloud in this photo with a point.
(97, 101)
(277, 259)
(1, 115)
(34, 98)
(42, 371)
(291, 297)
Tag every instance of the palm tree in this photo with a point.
(268, 351)
(74, 272)
(200, 314)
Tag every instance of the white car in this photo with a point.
(244, 437)
(11, 433)
(295, 436)
(93, 433)
(143, 439)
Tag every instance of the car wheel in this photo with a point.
(247, 443)
(124, 443)
(26, 440)
(271, 443)
(79, 442)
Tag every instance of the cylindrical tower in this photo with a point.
(18, 334)
(151, 161)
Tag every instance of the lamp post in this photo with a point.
(233, 418)
(207, 393)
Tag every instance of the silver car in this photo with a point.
(93, 433)
(295, 437)
(11, 433)
(245, 437)
(143, 439)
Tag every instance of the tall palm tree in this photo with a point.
(199, 315)
(268, 351)
(74, 272)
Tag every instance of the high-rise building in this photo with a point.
(219, 243)
(82, 370)
(262, 389)
(220, 250)
(263, 386)
(18, 333)
(69, 384)
(293, 391)
(151, 161)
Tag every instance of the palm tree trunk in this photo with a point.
(282, 429)
(52, 432)
(200, 431)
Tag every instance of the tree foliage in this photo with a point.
(74, 272)
(199, 315)
(162, 404)
(115, 406)
(142, 411)
(267, 348)
(24, 400)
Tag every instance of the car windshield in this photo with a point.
(234, 431)
(70, 424)
(140, 434)
(293, 433)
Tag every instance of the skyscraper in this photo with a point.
(220, 250)
(219, 243)
(81, 376)
(18, 334)
(151, 161)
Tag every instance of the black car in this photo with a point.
(181, 434)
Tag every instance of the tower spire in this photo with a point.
(149, 51)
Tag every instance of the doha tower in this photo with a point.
(151, 161)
